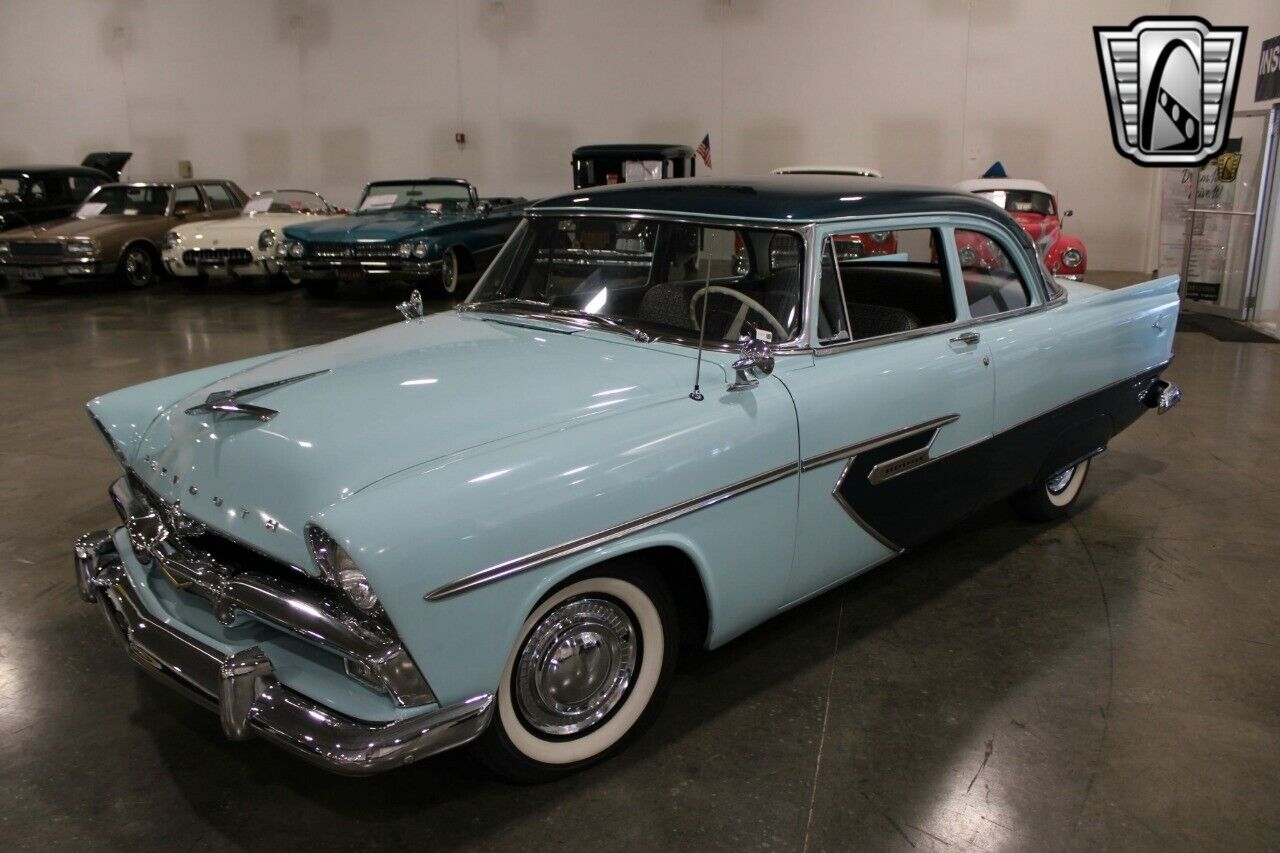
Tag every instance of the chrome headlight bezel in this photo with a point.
(420, 250)
(968, 256)
(880, 236)
(404, 250)
(341, 571)
(296, 249)
(266, 240)
(1072, 258)
(82, 247)
(170, 241)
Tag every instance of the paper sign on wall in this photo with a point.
(378, 202)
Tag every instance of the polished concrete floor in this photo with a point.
(1110, 681)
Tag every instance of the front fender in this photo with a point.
(1053, 258)
(428, 527)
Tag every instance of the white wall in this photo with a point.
(330, 94)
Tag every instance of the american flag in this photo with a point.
(704, 150)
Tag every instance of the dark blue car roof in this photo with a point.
(785, 198)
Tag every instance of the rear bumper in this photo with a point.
(1162, 396)
(244, 691)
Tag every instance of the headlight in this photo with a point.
(265, 239)
(295, 249)
(968, 256)
(340, 570)
(404, 250)
(1072, 258)
(879, 236)
(419, 250)
(170, 241)
(4, 249)
(282, 249)
(84, 247)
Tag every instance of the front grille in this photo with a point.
(36, 250)
(352, 251)
(218, 257)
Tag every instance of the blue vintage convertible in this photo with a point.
(429, 231)
(668, 412)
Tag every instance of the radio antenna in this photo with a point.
(696, 393)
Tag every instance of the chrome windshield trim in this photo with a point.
(527, 562)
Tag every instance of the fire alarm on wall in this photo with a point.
(460, 138)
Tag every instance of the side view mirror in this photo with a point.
(483, 208)
(1067, 213)
(755, 361)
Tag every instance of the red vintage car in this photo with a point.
(1036, 209)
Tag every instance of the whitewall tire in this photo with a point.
(1054, 496)
(586, 672)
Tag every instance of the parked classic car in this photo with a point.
(426, 230)
(246, 245)
(1035, 208)
(116, 231)
(34, 194)
(497, 524)
(601, 165)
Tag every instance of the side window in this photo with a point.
(187, 199)
(36, 190)
(991, 281)
(80, 186)
(892, 281)
(220, 198)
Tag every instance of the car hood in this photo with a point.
(381, 402)
(388, 226)
(241, 231)
(93, 226)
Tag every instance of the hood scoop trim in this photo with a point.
(228, 402)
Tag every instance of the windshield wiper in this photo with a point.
(547, 310)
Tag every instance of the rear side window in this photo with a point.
(892, 281)
(220, 198)
(187, 199)
(992, 284)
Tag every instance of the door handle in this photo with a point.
(966, 338)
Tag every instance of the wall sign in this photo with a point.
(1269, 71)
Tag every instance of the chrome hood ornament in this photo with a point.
(412, 309)
(228, 402)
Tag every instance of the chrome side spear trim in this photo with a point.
(228, 401)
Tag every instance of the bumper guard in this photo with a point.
(245, 692)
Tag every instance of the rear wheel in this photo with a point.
(138, 268)
(1053, 496)
(586, 674)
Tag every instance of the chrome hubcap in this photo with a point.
(576, 666)
(138, 267)
(1057, 485)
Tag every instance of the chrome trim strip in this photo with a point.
(245, 693)
(859, 520)
(872, 443)
(518, 565)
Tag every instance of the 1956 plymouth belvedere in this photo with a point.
(428, 231)
(243, 246)
(499, 523)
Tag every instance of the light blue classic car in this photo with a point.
(426, 231)
(668, 412)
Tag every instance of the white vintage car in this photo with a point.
(245, 245)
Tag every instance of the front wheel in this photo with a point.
(137, 268)
(585, 675)
(1052, 497)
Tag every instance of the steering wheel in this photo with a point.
(735, 328)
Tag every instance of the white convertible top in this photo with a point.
(982, 185)
(857, 171)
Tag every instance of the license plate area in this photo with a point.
(29, 274)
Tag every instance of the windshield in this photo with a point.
(651, 274)
(285, 201)
(437, 198)
(1020, 201)
(127, 201)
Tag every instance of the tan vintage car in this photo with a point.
(117, 232)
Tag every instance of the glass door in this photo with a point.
(1220, 204)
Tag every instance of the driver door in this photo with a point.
(899, 390)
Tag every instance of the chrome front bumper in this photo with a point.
(357, 270)
(245, 692)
